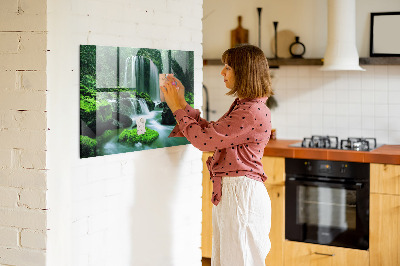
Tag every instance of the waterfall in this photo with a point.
(143, 106)
(135, 76)
(154, 81)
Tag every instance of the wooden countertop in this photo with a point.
(389, 154)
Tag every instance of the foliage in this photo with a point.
(105, 136)
(88, 147)
(87, 61)
(88, 86)
(189, 97)
(88, 112)
(187, 78)
(130, 136)
(147, 98)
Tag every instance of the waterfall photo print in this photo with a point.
(121, 109)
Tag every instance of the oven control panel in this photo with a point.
(337, 169)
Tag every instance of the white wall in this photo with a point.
(23, 133)
(306, 19)
(311, 102)
(140, 208)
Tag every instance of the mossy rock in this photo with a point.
(131, 136)
(88, 147)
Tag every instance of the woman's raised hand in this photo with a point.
(174, 94)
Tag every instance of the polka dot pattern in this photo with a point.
(238, 139)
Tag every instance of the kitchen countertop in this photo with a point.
(389, 154)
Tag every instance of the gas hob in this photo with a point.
(332, 142)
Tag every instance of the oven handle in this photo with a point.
(357, 185)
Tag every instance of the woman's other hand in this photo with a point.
(173, 94)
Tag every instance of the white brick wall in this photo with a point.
(140, 208)
(114, 210)
(23, 132)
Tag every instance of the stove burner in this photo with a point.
(328, 142)
(332, 142)
(358, 144)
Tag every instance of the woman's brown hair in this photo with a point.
(250, 66)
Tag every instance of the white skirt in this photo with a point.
(241, 223)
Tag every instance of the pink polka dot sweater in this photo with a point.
(238, 139)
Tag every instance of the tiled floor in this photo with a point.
(206, 261)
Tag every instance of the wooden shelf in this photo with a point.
(274, 63)
(380, 61)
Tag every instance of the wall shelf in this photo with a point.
(274, 63)
(380, 61)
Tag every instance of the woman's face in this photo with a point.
(229, 76)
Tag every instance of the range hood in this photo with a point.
(341, 51)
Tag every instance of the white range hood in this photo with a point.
(341, 51)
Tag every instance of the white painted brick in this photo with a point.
(23, 178)
(31, 55)
(22, 22)
(22, 100)
(17, 256)
(5, 158)
(22, 218)
(8, 237)
(33, 159)
(7, 80)
(33, 199)
(33, 239)
(33, 120)
(36, 7)
(192, 23)
(23, 139)
(98, 222)
(8, 197)
(31, 80)
(8, 6)
(9, 42)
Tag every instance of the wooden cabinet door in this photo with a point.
(277, 233)
(385, 178)
(304, 254)
(384, 237)
(274, 168)
(206, 225)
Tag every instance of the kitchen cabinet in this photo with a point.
(206, 225)
(305, 254)
(274, 168)
(385, 178)
(385, 215)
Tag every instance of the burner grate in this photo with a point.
(327, 142)
(358, 144)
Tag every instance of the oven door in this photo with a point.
(327, 213)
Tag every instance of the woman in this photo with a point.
(242, 208)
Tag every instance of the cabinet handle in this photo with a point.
(324, 254)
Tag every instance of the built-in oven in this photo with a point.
(327, 202)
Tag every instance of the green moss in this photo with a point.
(105, 136)
(88, 147)
(130, 136)
(146, 97)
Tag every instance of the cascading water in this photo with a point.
(135, 76)
(141, 74)
(143, 106)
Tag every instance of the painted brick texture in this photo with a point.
(23, 125)
(140, 208)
